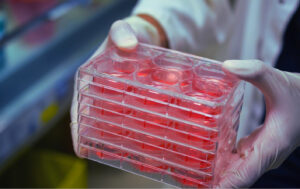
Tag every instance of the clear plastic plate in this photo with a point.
(163, 114)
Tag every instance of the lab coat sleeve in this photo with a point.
(190, 25)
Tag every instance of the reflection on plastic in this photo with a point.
(158, 113)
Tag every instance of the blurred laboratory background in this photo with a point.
(42, 43)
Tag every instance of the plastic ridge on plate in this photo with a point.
(159, 113)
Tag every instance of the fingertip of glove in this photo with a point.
(123, 36)
(128, 44)
(244, 68)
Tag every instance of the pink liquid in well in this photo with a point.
(195, 130)
(192, 116)
(166, 76)
(142, 125)
(209, 88)
(153, 151)
(151, 146)
(153, 163)
(192, 152)
(181, 175)
(112, 152)
(125, 67)
(147, 164)
(152, 128)
(163, 78)
(188, 183)
(198, 106)
(117, 140)
(110, 148)
(147, 145)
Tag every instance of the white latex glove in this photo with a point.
(268, 146)
(125, 35)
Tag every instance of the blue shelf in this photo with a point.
(38, 91)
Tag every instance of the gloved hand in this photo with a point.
(125, 35)
(269, 145)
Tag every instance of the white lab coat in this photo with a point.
(213, 28)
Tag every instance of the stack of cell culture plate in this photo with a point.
(166, 115)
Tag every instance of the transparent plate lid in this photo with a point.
(167, 72)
